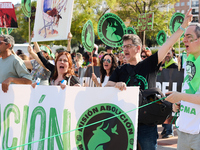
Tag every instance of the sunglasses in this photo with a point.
(1, 42)
(108, 60)
(143, 56)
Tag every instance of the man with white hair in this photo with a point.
(13, 69)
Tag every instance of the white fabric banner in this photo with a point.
(28, 115)
(52, 20)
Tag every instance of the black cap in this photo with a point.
(108, 47)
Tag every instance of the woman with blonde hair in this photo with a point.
(78, 62)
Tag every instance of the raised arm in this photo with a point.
(34, 55)
(69, 42)
(162, 52)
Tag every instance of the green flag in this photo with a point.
(26, 7)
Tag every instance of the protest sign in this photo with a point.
(170, 80)
(26, 7)
(111, 29)
(48, 117)
(52, 20)
(7, 15)
(88, 36)
(145, 22)
(161, 37)
(131, 30)
(175, 22)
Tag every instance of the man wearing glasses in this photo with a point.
(12, 68)
(188, 102)
(146, 70)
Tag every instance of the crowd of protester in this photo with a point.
(62, 69)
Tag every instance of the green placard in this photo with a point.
(145, 22)
(175, 22)
(161, 37)
(111, 29)
(88, 36)
(26, 7)
(131, 30)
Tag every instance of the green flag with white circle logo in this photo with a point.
(111, 29)
(88, 36)
(161, 37)
(175, 22)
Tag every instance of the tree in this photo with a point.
(21, 33)
(129, 10)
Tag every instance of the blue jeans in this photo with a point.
(168, 128)
(147, 136)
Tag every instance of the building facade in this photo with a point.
(183, 5)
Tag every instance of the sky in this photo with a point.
(13, 1)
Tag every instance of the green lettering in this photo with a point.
(54, 130)
(181, 108)
(66, 127)
(187, 109)
(193, 111)
(41, 112)
(130, 131)
(10, 108)
(24, 127)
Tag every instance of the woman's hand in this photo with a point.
(94, 78)
(62, 86)
(30, 50)
(78, 85)
(69, 36)
(34, 85)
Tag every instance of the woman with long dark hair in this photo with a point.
(108, 64)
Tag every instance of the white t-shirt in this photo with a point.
(189, 119)
(105, 81)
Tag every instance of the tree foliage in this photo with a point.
(82, 12)
(129, 10)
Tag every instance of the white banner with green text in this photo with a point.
(49, 118)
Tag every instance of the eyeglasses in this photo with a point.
(128, 46)
(143, 56)
(108, 60)
(63, 60)
(1, 42)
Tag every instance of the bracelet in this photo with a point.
(183, 29)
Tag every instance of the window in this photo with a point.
(177, 11)
(188, 3)
(177, 4)
(182, 3)
(182, 11)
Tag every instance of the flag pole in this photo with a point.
(29, 31)
(179, 63)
